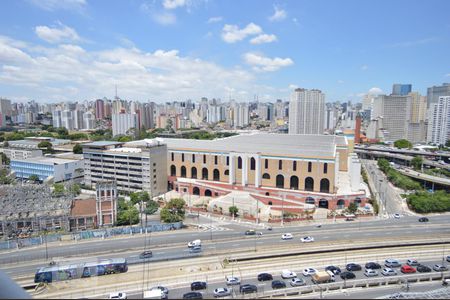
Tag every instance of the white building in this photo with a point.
(57, 122)
(307, 112)
(17, 153)
(123, 122)
(89, 120)
(67, 119)
(439, 121)
(240, 115)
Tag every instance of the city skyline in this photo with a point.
(177, 50)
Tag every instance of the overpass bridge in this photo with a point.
(444, 155)
(425, 177)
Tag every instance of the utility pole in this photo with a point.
(282, 210)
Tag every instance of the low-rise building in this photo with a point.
(20, 153)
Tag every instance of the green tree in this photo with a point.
(127, 214)
(5, 159)
(401, 144)
(124, 139)
(58, 189)
(6, 144)
(78, 149)
(173, 211)
(417, 162)
(352, 208)
(46, 146)
(233, 210)
(138, 197)
(75, 189)
(33, 178)
(62, 132)
(383, 164)
(151, 207)
(4, 178)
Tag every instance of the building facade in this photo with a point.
(399, 89)
(106, 203)
(123, 122)
(307, 112)
(434, 92)
(46, 168)
(439, 122)
(13, 153)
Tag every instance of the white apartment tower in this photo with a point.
(439, 121)
(307, 112)
(123, 122)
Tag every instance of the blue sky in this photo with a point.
(60, 50)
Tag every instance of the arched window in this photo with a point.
(239, 162)
(208, 193)
(270, 203)
(226, 173)
(294, 183)
(183, 171)
(266, 176)
(324, 185)
(205, 173)
(280, 181)
(216, 175)
(182, 157)
(310, 167)
(310, 200)
(194, 172)
(358, 201)
(173, 156)
(267, 194)
(204, 158)
(323, 203)
(215, 159)
(252, 163)
(340, 204)
(196, 191)
(325, 168)
(173, 170)
(309, 184)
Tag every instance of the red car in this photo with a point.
(407, 269)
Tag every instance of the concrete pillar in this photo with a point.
(258, 171)
(244, 170)
(231, 178)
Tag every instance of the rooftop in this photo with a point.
(47, 160)
(102, 144)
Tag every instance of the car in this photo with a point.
(407, 269)
(285, 274)
(198, 285)
(278, 284)
(297, 281)
(194, 243)
(307, 239)
(333, 269)
(269, 228)
(161, 288)
(397, 216)
(233, 280)
(440, 268)
(309, 271)
(195, 249)
(372, 265)
(423, 269)
(388, 272)
(193, 295)
(392, 263)
(146, 254)
(448, 258)
(412, 262)
(371, 272)
(118, 295)
(347, 275)
(265, 277)
(353, 267)
(248, 288)
(287, 236)
(250, 232)
(423, 219)
(222, 292)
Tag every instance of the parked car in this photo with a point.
(388, 272)
(440, 268)
(278, 284)
(423, 269)
(309, 271)
(193, 295)
(285, 274)
(372, 265)
(392, 263)
(353, 267)
(287, 236)
(347, 275)
(333, 269)
(407, 269)
(307, 239)
(297, 282)
(248, 288)
(412, 262)
(232, 280)
(265, 277)
(118, 295)
(195, 249)
(371, 272)
(146, 254)
(198, 285)
(222, 292)
(423, 219)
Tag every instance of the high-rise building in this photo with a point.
(67, 119)
(89, 120)
(439, 122)
(99, 109)
(57, 118)
(241, 115)
(122, 122)
(307, 112)
(394, 112)
(399, 89)
(434, 92)
(5, 110)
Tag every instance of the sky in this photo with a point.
(167, 50)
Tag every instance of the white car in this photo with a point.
(285, 274)
(118, 295)
(233, 280)
(297, 282)
(309, 271)
(287, 236)
(222, 292)
(412, 262)
(307, 239)
(397, 216)
(371, 273)
(388, 272)
(194, 243)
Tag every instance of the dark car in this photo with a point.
(198, 285)
(347, 275)
(335, 270)
(353, 267)
(423, 269)
(372, 265)
(193, 295)
(423, 219)
(146, 254)
(248, 288)
(265, 277)
(250, 232)
(278, 284)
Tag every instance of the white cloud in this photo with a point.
(214, 19)
(263, 63)
(340, 81)
(364, 67)
(160, 17)
(232, 33)
(293, 86)
(264, 38)
(172, 4)
(52, 5)
(278, 15)
(375, 91)
(57, 35)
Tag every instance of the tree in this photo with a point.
(151, 207)
(383, 164)
(4, 178)
(125, 138)
(173, 211)
(58, 189)
(447, 144)
(47, 145)
(233, 210)
(352, 208)
(75, 189)
(138, 197)
(62, 132)
(6, 144)
(127, 214)
(401, 144)
(417, 162)
(33, 178)
(5, 159)
(77, 149)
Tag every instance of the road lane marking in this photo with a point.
(235, 245)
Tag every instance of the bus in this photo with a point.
(82, 270)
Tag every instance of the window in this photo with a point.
(215, 159)
(266, 163)
(154, 164)
(182, 157)
(193, 158)
(294, 165)
(266, 176)
(280, 165)
(228, 160)
(173, 156)
(239, 162)
(252, 163)
(325, 168)
(204, 158)
(309, 166)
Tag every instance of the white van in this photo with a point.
(194, 243)
(154, 294)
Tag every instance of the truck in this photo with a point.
(323, 277)
(154, 294)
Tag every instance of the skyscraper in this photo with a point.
(439, 122)
(434, 92)
(99, 109)
(307, 112)
(399, 89)
(123, 122)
